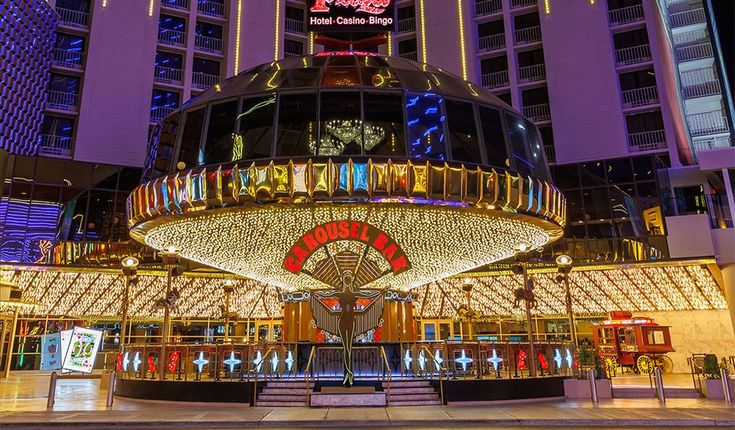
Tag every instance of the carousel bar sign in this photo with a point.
(351, 16)
(346, 230)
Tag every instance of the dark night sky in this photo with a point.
(724, 13)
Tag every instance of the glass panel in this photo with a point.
(218, 147)
(425, 121)
(492, 132)
(256, 129)
(297, 127)
(384, 129)
(525, 147)
(380, 78)
(429, 331)
(444, 331)
(463, 132)
(341, 128)
(189, 152)
(301, 78)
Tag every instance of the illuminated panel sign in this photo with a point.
(345, 230)
(351, 16)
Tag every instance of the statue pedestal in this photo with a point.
(334, 397)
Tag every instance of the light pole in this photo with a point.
(170, 256)
(229, 288)
(129, 269)
(564, 265)
(525, 293)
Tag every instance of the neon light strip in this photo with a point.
(423, 31)
(278, 22)
(461, 40)
(547, 7)
(237, 37)
(311, 42)
(390, 44)
(150, 7)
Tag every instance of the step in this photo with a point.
(285, 391)
(406, 384)
(409, 390)
(415, 403)
(412, 397)
(274, 404)
(281, 398)
(641, 393)
(285, 384)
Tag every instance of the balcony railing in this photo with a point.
(287, 54)
(487, 7)
(202, 81)
(208, 44)
(537, 113)
(158, 113)
(647, 140)
(413, 55)
(626, 15)
(406, 25)
(168, 75)
(537, 72)
(179, 4)
(492, 42)
(211, 8)
(633, 55)
(689, 17)
(61, 100)
(521, 3)
(528, 35)
(640, 96)
(714, 142)
(171, 37)
(73, 18)
(55, 146)
(495, 80)
(702, 124)
(294, 26)
(693, 37)
(694, 52)
(69, 59)
(700, 83)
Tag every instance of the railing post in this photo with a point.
(726, 385)
(660, 394)
(110, 389)
(593, 385)
(51, 391)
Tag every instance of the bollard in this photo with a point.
(593, 385)
(659, 384)
(110, 389)
(726, 385)
(51, 391)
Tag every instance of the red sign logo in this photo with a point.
(374, 7)
(346, 230)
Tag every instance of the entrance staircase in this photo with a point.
(411, 393)
(646, 392)
(283, 393)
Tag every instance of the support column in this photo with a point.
(728, 285)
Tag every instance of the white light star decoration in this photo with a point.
(569, 358)
(126, 361)
(232, 361)
(407, 359)
(495, 360)
(289, 361)
(464, 360)
(438, 360)
(422, 360)
(557, 358)
(258, 361)
(274, 362)
(136, 361)
(200, 362)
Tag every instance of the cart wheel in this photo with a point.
(665, 363)
(644, 365)
(611, 367)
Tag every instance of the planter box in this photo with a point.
(580, 389)
(712, 388)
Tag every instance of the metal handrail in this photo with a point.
(440, 369)
(255, 383)
(306, 374)
(390, 374)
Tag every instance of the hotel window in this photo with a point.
(406, 18)
(408, 49)
(630, 39)
(297, 126)
(172, 30)
(69, 50)
(168, 59)
(163, 102)
(294, 19)
(205, 66)
(208, 37)
(255, 137)
(292, 48)
(75, 5)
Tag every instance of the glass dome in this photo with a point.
(347, 104)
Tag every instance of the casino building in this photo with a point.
(258, 164)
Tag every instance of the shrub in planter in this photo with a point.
(710, 367)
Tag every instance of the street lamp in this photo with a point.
(525, 293)
(564, 266)
(170, 257)
(129, 269)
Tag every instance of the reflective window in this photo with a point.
(425, 122)
(189, 151)
(220, 133)
(297, 128)
(463, 132)
(255, 135)
(340, 127)
(384, 131)
(525, 147)
(492, 133)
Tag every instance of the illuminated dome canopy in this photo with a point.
(296, 171)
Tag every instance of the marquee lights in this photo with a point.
(237, 37)
(231, 361)
(463, 360)
(495, 360)
(462, 49)
(200, 362)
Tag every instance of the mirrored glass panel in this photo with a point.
(425, 123)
